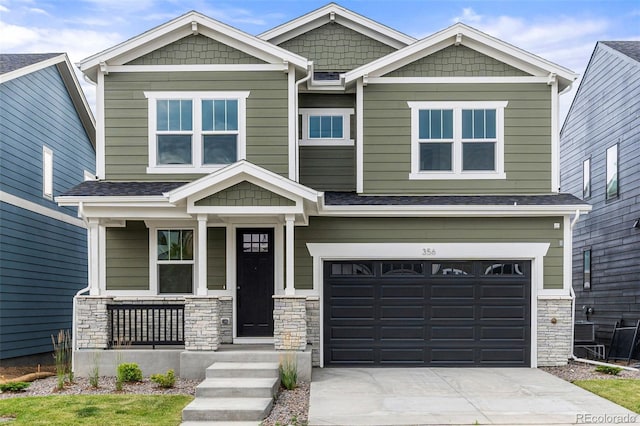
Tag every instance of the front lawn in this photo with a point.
(625, 392)
(95, 409)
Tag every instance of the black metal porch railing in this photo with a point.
(151, 325)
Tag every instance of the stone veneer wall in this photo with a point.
(289, 323)
(554, 331)
(92, 322)
(226, 312)
(313, 329)
(201, 323)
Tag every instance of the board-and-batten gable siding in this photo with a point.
(328, 168)
(126, 117)
(43, 263)
(429, 230)
(387, 137)
(605, 112)
(334, 47)
(36, 111)
(245, 194)
(128, 257)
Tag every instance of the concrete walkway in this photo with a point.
(451, 396)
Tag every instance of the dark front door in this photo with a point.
(255, 282)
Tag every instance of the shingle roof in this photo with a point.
(353, 199)
(120, 189)
(14, 61)
(629, 48)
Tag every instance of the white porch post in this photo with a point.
(94, 257)
(202, 255)
(290, 226)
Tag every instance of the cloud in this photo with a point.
(3, 9)
(38, 11)
(468, 16)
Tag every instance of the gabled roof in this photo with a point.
(20, 64)
(333, 12)
(629, 48)
(180, 27)
(465, 35)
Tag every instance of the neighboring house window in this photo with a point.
(586, 269)
(457, 140)
(326, 126)
(612, 172)
(175, 260)
(195, 131)
(586, 178)
(47, 172)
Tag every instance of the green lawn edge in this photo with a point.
(125, 410)
(624, 392)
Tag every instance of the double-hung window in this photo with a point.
(195, 132)
(175, 261)
(326, 126)
(457, 140)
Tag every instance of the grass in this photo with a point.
(95, 409)
(625, 392)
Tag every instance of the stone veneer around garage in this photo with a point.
(554, 331)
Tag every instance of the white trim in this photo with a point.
(94, 257)
(102, 259)
(345, 113)
(47, 173)
(335, 13)
(100, 127)
(153, 228)
(359, 136)
(5, 197)
(567, 253)
(534, 252)
(201, 275)
(457, 80)
(457, 141)
(197, 68)
(197, 132)
(292, 123)
(290, 254)
(32, 68)
(555, 137)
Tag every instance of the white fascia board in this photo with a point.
(32, 68)
(457, 80)
(115, 200)
(245, 210)
(128, 212)
(344, 17)
(198, 67)
(448, 210)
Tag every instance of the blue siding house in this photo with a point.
(47, 145)
(600, 162)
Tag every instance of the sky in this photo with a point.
(562, 31)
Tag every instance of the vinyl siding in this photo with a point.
(432, 230)
(216, 258)
(126, 117)
(330, 168)
(387, 138)
(605, 112)
(128, 257)
(43, 263)
(245, 194)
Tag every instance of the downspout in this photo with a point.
(84, 290)
(573, 356)
(297, 129)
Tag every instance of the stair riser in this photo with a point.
(224, 415)
(246, 357)
(244, 373)
(263, 392)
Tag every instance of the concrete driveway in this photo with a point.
(452, 396)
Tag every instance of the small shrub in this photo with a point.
(607, 369)
(164, 380)
(129, 372)
(63, 353)
(289, 371)
(14, 387)
(94, 375)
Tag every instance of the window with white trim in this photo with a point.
(47, 173)
(175, 261)
(326, 126)
(191, 132)
(457, 140)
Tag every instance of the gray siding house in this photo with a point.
(600, 163)
(333, 187)
(47, 139)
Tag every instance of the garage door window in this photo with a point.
(402, 269)
(452, 268)
(497, 268)
(351, 269)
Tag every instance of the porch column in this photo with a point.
(289, 250)
(202, 255)
(94, 257)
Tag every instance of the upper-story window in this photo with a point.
(326, 126)
(47, 173)
(457, 140)
(612, 172)
(195, 132)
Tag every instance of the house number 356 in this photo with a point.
(428, 252)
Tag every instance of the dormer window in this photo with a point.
(326, 126)
(195, 132)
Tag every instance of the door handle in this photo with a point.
(238, 288)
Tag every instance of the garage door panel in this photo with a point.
(515, 313)
(452, 312)
(352, 312)
(402, 291)
(348, 332)
(502, 356)
(449, 291)
(398, 355)
(402, 312)
(352, 355)
(503, 291)
(347, 291)
(415, 333)
(451, 356)
(447, 332)
(502, 333)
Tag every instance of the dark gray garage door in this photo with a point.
(427, 313)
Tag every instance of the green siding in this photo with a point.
(216, 258)
(330, 168)
(126, 117)
(431, 230)
(196, 49)
(387, 138)
(245, 194)
(456, 61)
(128, 257)
(333, 47)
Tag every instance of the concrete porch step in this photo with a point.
(243, 369)
(227, 409)
(238, 387)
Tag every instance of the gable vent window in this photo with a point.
(457, 140)
(326, 126)
(47, 173)
(195, 132)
